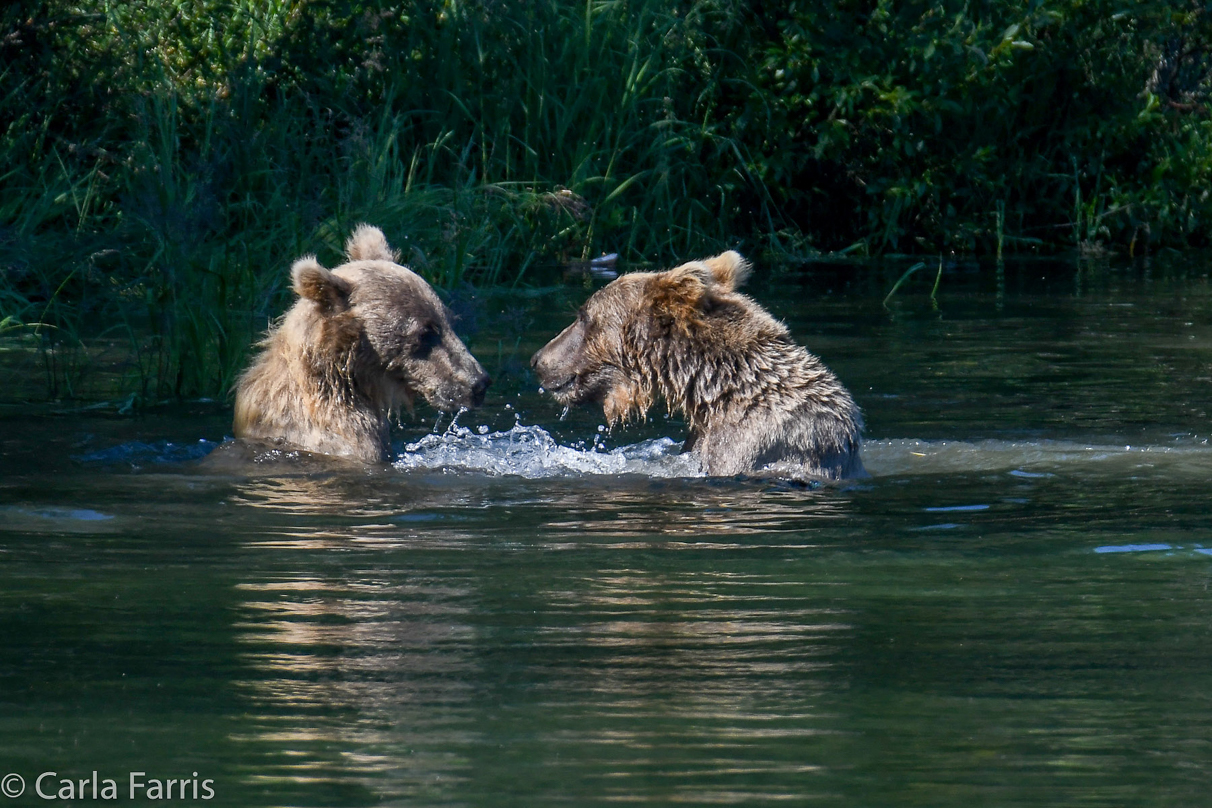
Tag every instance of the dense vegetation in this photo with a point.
(161, 163)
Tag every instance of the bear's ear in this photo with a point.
(369, 244)
(728, 269)
(679, 294)
(316, 283)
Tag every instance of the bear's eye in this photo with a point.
(428, 338)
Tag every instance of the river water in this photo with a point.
(529, 610)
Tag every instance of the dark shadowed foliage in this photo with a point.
(161, 163)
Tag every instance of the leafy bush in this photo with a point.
(967, 126)
(162, 163)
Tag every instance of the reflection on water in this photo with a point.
(370, 666)
(1040, 458)
(524, 610)
(386, 675)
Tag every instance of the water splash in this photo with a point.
(531, 452)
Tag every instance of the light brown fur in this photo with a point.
(754, 400)
(361, 341)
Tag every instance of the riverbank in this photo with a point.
(163, 164)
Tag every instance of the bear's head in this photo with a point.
(380, 329)
(639, 331)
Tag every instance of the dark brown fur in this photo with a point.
(361, 341)
(754, 400)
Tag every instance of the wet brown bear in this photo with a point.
(361, 341)
(755, 401)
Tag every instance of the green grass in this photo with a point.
(161, 164)
(167, 214)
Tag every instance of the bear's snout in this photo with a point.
(552, 375)
(479, 389)
(558, 362)
(467, 393)
(537, 358)
(536, 362)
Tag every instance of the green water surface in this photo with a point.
(1013, 611)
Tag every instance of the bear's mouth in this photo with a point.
(561, 387)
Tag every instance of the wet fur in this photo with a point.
(755, 401)
(361, 342)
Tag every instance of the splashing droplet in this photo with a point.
(454, 422)
(531, 452)
(564, 414)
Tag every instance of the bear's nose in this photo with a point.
(479, 388)
(534, 360)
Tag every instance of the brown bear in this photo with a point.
(755, 401)
(361, 341)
